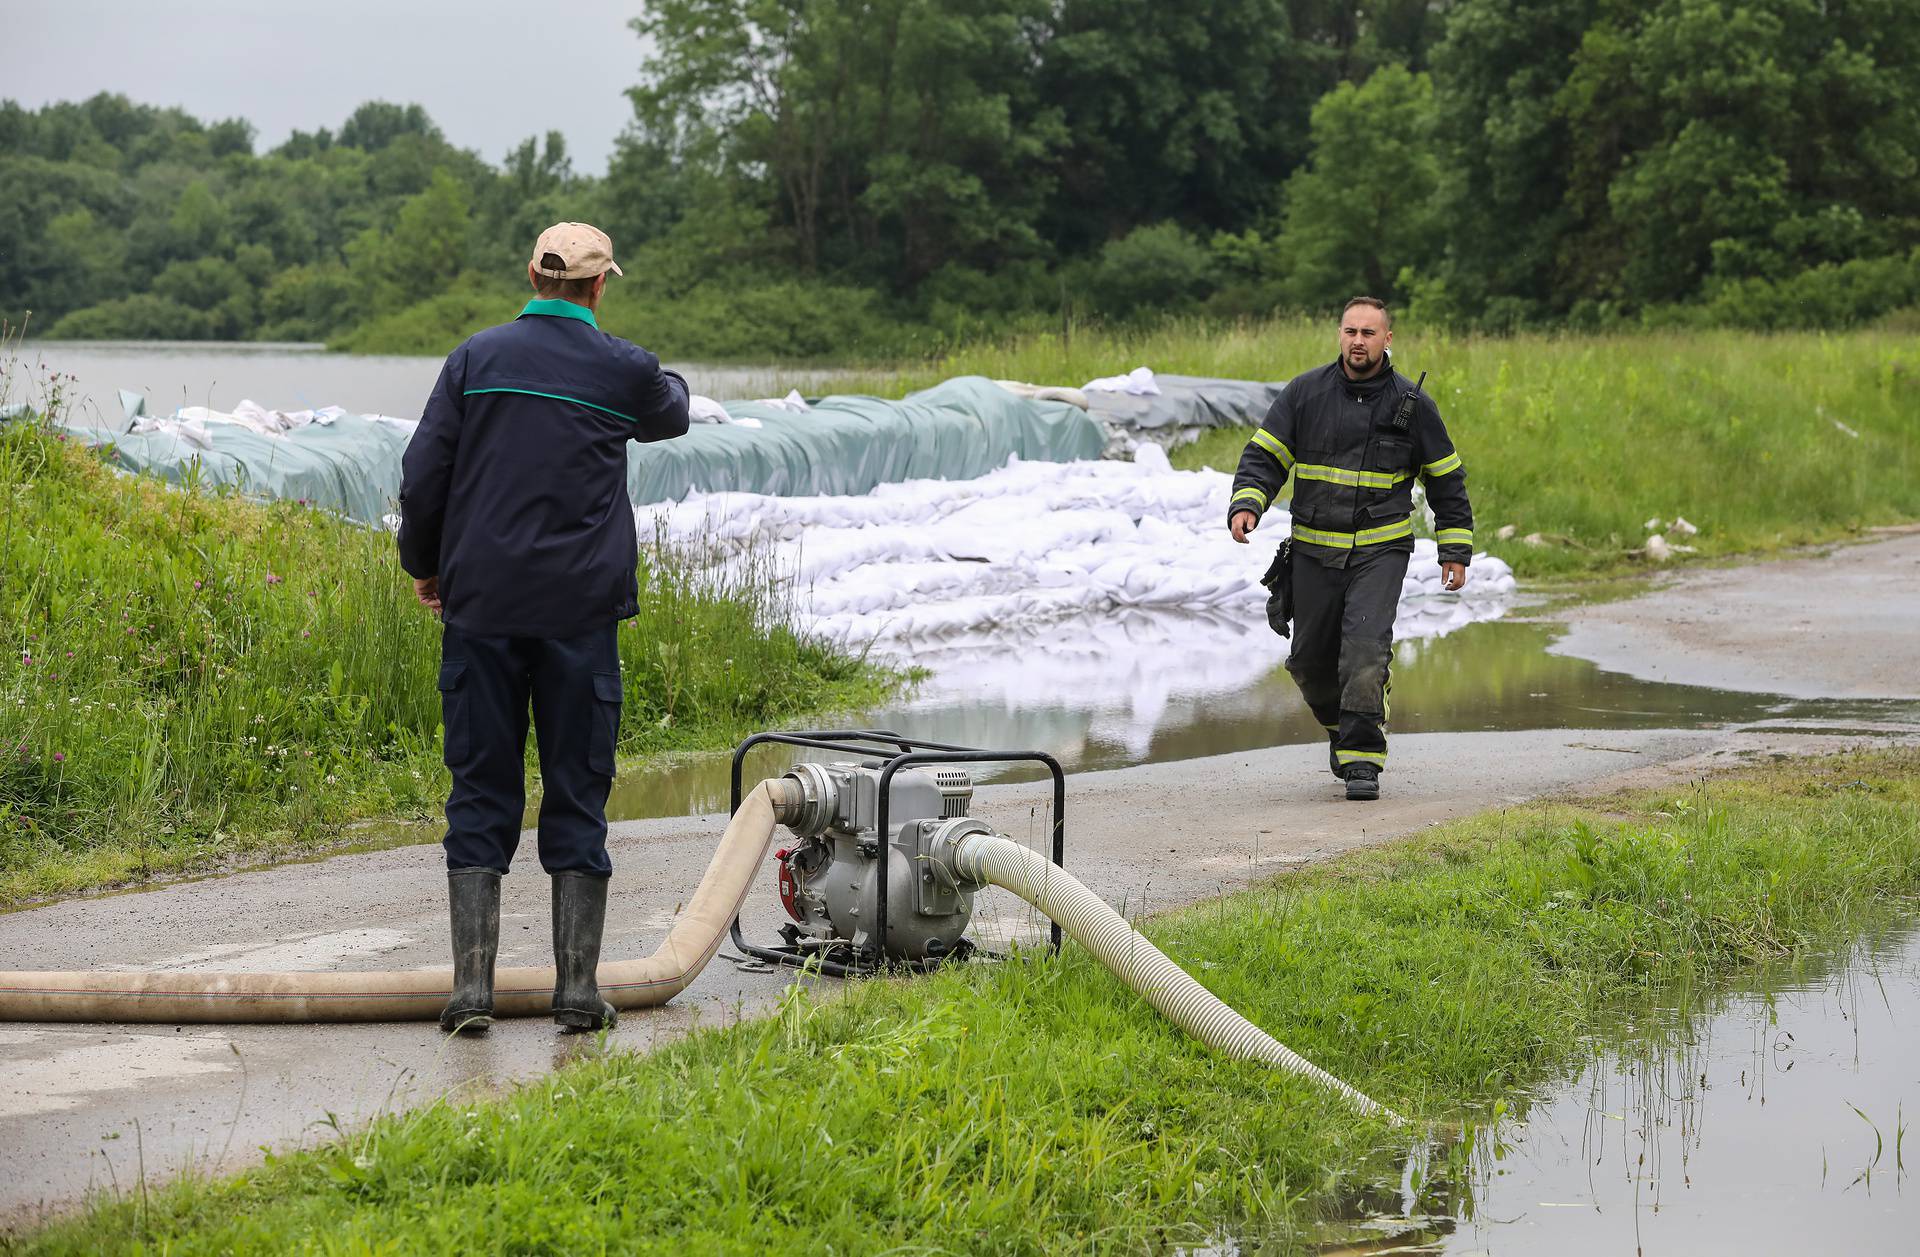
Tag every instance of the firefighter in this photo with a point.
(1353, 435)
(515, 525)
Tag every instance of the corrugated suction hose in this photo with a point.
(988, 858)
(419, 994)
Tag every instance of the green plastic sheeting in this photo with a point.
(350, 466)
(957, 430)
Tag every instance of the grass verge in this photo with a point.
(1038, 1107)
(188, 678)
(1762, 441)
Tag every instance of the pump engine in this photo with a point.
(829, 880)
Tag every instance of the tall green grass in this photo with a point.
(1762, 441)
(186, 677)
(1039, 1107)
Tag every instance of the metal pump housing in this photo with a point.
(829, 879)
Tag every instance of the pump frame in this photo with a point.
(898, 751)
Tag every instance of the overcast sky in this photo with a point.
(490, 72)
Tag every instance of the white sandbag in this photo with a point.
(915, 567)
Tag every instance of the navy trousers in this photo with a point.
(572, 685)
(1343, 647)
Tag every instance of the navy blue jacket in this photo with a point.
(514, 490)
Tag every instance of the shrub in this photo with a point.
(140, 317)
(1157, 268)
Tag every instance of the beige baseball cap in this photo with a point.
(573, 251)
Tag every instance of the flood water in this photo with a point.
(1196, 686)
(219, 375)
(1767, 1118)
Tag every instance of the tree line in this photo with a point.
(814, 177)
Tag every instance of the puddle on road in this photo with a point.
(1199, 686)
(1769, 1118)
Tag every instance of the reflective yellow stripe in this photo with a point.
(1454, 536)
(1359, 479)
(1252, 494)
(1442, 466)
(1338, 540)
(1348, 540)
(1274, 446)
(1390, 532)
(1371, 757)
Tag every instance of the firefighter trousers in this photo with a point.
(1343, 646)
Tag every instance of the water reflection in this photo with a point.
(1180, 687)
(1768, 1118)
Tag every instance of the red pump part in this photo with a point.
(788, 886)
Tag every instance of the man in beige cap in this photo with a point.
(515, 524)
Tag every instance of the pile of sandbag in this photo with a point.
(913, 565)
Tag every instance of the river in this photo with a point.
(219, 375)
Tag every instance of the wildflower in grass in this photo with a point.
(273, 580)
(59, 757)
(196, 584)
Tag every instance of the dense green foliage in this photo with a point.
(1039, 1106)
(814, 177)
(187, 677)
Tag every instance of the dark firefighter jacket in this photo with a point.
(514, 490)
(1353, 469)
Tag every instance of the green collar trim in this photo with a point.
(556, 308)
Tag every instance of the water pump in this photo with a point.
(829, 880)
(864, 884)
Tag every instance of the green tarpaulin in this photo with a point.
(957, 430)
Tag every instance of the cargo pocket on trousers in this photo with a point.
(455, 742)
(606, 722)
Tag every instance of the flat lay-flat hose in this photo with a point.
(414, 994)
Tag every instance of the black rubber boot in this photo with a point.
(1363, 782)
(579, 919)
(474, 899)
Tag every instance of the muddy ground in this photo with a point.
(1839, 623)
(86, 1107)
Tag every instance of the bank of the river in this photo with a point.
(1037, 1106)
(188, 680)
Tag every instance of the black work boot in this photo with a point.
(1363, 782)
(474, 899)
(579, 918)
